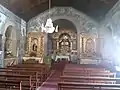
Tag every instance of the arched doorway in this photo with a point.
(63, 42)
(10, 42)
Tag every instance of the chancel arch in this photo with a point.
(63, 42)
(81, 21)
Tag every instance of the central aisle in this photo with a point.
(51, 82)
(54, 78)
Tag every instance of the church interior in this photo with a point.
(59, 45)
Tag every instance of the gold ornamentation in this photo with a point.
(35, 46)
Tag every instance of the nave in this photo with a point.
(59, 45)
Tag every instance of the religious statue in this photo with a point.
(8, 51)
(34, 47)
(48, 28)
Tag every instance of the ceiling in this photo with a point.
(27, 9)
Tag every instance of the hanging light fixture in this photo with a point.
(49, 28)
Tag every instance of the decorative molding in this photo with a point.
(17, 23)
(78, 18)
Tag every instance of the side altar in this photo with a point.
(35, 47)
(90, 45)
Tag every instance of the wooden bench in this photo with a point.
(79, 67)
(89, 79)
(27, 82)
(90, 74)
(86, 71)
(40, 67)
(43, 66)
(87, 86)
(34, 74)
(9, 84)
(85, 65)
(43, 74)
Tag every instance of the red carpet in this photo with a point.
(51, 82)
(54, 78)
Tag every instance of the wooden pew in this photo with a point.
(38, 65)
(99, 74)
(89, 79)
(87, 86)
(85, 69)
(42, 76)
(34, 74)
(83, 66)
(27, 82)
(88, 72)
(9, 84)
(45, 68)
(42, 67)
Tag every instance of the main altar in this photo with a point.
(64, 43)
(35, 47)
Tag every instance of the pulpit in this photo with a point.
(35, 46)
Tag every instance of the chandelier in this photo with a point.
(49, 28)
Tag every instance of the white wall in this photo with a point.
(8, 18)
(112, 24)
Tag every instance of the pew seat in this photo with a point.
(87, 86)
(88, 79)
(10, 84)
(27, 82)
(89, 74)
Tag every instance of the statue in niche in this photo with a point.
(34, 47)
(64, 44)
(8, 51)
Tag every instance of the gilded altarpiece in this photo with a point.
(64, 42)
(35, 45)
(89, 46)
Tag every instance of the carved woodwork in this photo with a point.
(64, 41)
(88, 45)
(35, 44)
